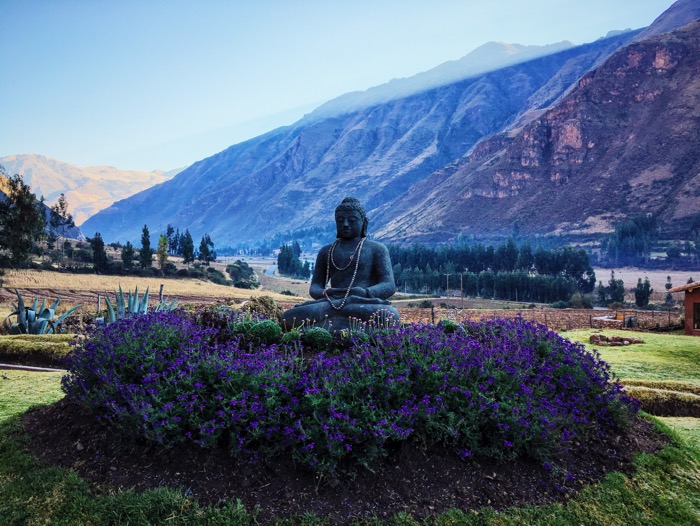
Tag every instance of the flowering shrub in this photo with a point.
(499, 388)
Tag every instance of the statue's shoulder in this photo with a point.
(376, 246)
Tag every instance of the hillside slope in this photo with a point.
(625, 141)
(293, 177)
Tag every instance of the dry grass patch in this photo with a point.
(174, 287)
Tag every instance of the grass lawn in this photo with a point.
(661, 358)
(20, 390)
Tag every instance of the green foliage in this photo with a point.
(35, 319)
(632, 241)
(162, 251)
(318, 339)
(450, 326)
(216, 276)
(642, 292)
(99, 255)
(291, 337)
(22, 220)
(263, 306)
(36, 350)
(206, 252)
(265, 332)
(60, 219)
(242, 275)
(289, 264)
(146, 252)
(187, 248)
(504, 272)
(128, 256)
(613, 293)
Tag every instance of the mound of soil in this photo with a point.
(415, 479)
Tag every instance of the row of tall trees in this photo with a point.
(289, 262)
(515, 286)
(420, 268)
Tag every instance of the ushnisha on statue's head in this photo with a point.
(350, 210)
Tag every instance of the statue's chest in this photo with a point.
(345, 264)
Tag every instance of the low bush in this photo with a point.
(317, 339)
(498, 389)
(265, 332)
(667, 403)
(46, 350)
(263, 306)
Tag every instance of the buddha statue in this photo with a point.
(352, 278)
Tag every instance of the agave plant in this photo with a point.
(131, 306)
(35, 319)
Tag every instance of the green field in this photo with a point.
(662, 357)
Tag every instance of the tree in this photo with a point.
(616, 289)
(22, 220)
(174, 243)
(99, 255)
(206, 250)
(146, 254)
(59, 218)
(668, 286)
(187, 247)
(128, 256)
(162, 251)
(642, 292)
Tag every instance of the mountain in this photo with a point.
(625, 141)
(88, 189)
(488, 57)
(293, 177)
(568, 142)
(678, 15)
(72, 232)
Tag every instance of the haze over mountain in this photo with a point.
(487, 57)
(88, 189)
(410, 160)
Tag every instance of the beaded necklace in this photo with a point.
(352, 256)
(358, 251)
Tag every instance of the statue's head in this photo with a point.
(350, 219)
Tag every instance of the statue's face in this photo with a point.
(348, 224)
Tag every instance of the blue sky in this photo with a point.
(146, 84)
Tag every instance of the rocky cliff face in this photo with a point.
(293, 177)
(624, 141)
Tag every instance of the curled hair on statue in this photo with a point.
(351, 204)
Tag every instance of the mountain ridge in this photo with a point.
(88, 189)
(626, 138)
(291, 178)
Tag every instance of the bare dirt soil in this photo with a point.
(416, 478)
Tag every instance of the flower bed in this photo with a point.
(499, 388)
